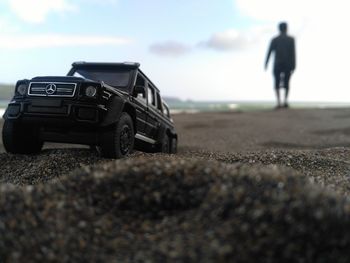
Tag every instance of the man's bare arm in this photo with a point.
(268, 54)
(293, 56)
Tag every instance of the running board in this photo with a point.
(145, 139)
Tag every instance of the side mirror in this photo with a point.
(139, 90)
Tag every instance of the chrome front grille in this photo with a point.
(52, 89)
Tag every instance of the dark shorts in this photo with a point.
(282, 76)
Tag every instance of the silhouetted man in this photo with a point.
(283, 47)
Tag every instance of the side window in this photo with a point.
(159, 103)
(166, 110)
(139, 89)
(151, 96)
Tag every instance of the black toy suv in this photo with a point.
(111, 106)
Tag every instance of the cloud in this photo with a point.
(236, 40)
(170, 48)
(6, 26)
(227, 40)
(271, 10)
(297, 12)
(56, 40)
(99, 2)
(36, 11)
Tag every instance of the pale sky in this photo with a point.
(192, 49)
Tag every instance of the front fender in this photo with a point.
(115, 108)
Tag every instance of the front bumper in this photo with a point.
(51, 110)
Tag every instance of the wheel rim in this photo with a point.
(125, 140)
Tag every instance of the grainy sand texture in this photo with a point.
(269, 186)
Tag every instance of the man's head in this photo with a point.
(283, 26)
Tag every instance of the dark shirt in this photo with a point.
(283, 47)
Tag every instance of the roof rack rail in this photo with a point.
(132, 63)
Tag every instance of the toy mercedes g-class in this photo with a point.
(114, 107)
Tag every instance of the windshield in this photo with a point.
(116, 78)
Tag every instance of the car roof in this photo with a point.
(132, 65)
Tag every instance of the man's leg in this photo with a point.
(277, 76)
(286, 86)
(277, 90)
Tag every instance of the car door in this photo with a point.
(152, 123)
(140, 102)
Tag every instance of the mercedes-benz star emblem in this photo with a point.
(50, 89)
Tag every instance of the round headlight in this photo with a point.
(90, 91)
(22, 89)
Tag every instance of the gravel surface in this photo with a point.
(272, 186)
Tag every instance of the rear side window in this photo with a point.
(159, 102)
(151, 97)
(166, 111)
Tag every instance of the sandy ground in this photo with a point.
(284, 129)
(272, 184)
(268, 130)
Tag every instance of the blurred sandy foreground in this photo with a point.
(268, 184)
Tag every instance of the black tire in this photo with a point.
(93, 148)
(165, 144)
(21, 139)
(173, 146)
(118, 142)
